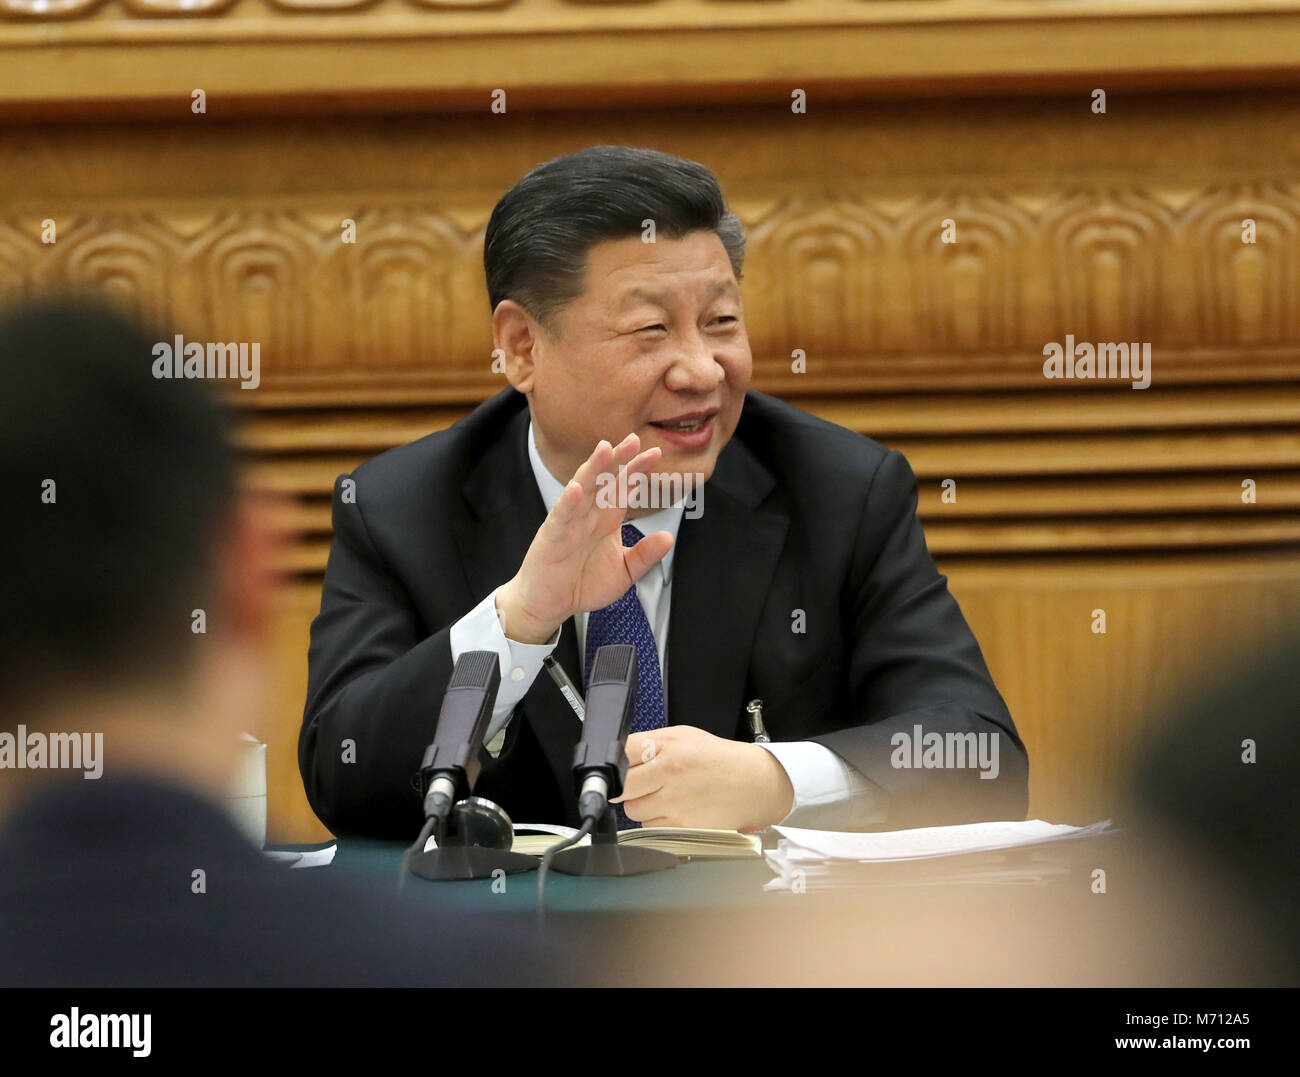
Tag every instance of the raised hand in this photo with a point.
(577, 560)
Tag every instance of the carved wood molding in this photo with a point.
(863, 289)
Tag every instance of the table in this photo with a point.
(711, 923)
(694, 885)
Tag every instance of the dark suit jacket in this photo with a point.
(95, 891)
(799, 515)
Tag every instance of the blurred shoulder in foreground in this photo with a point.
(120, 736)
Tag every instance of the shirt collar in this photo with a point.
(669, 519)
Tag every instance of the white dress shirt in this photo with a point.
(828, 793)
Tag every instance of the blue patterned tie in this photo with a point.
(625, 621)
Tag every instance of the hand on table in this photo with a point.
(683, 776)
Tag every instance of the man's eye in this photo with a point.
(645, 327)
(726, 318)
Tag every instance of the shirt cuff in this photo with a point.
(480, 630)
(828, 793)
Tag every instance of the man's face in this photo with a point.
(656, 346)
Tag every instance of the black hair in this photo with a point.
(120, 480)
(537, 239)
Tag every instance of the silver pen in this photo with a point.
(567, 688)
(755, 709)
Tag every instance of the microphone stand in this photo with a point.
(605, 856)
(471, 839)
(473, 835)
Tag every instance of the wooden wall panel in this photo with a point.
(1088, 704)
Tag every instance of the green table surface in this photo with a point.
(694, 885)
(697, 884)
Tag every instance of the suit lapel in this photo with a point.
(720, 569)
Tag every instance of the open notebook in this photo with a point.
(535, 838)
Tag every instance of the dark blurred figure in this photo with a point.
(1236, 823)
(128, 520)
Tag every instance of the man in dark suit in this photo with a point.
(118, 864)
(781, 562)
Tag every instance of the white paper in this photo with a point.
(522, 830)
(319, 858)
(924, 842)
(547, 828)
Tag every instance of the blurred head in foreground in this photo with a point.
(117, 867)
(136, 577)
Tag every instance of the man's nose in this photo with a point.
(697, 368)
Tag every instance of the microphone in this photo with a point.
(600, 760)
(599, 770)
(473, 835)
(451, 763)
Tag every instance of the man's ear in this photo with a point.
(249, 557)
(515, 332)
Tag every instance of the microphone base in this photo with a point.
(611, 859)
(469, 862)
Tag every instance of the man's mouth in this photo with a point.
(690, 423)
(688, 427)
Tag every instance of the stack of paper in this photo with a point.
(971, 853)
